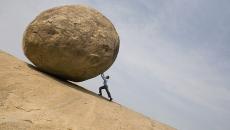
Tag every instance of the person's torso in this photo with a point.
(105, 82)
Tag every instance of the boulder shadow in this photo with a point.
(66, 82)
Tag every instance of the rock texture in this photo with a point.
(31, 100)
(74, 42)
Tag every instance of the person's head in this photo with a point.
(107, 77)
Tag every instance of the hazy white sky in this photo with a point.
(174, 59)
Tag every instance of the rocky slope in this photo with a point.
(32, 100)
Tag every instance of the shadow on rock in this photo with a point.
(64, 81)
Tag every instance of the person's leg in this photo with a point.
(102, 87)
(109, 95)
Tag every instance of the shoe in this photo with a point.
(100, 94)
(110, 99)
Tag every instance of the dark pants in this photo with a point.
(106, 89)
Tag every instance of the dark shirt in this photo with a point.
(104, 78)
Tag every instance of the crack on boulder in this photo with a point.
(29, 121)
(27, 110)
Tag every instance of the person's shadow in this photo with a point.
(66, 82)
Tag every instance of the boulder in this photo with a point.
(74, 42)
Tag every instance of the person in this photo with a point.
(105, 86)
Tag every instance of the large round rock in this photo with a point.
(74, 42)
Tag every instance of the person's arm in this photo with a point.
(102, 76)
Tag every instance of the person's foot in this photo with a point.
(111, 99)
(100, 94)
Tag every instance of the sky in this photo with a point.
(174, 59)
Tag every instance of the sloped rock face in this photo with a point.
(74, 42)
(31, 100)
